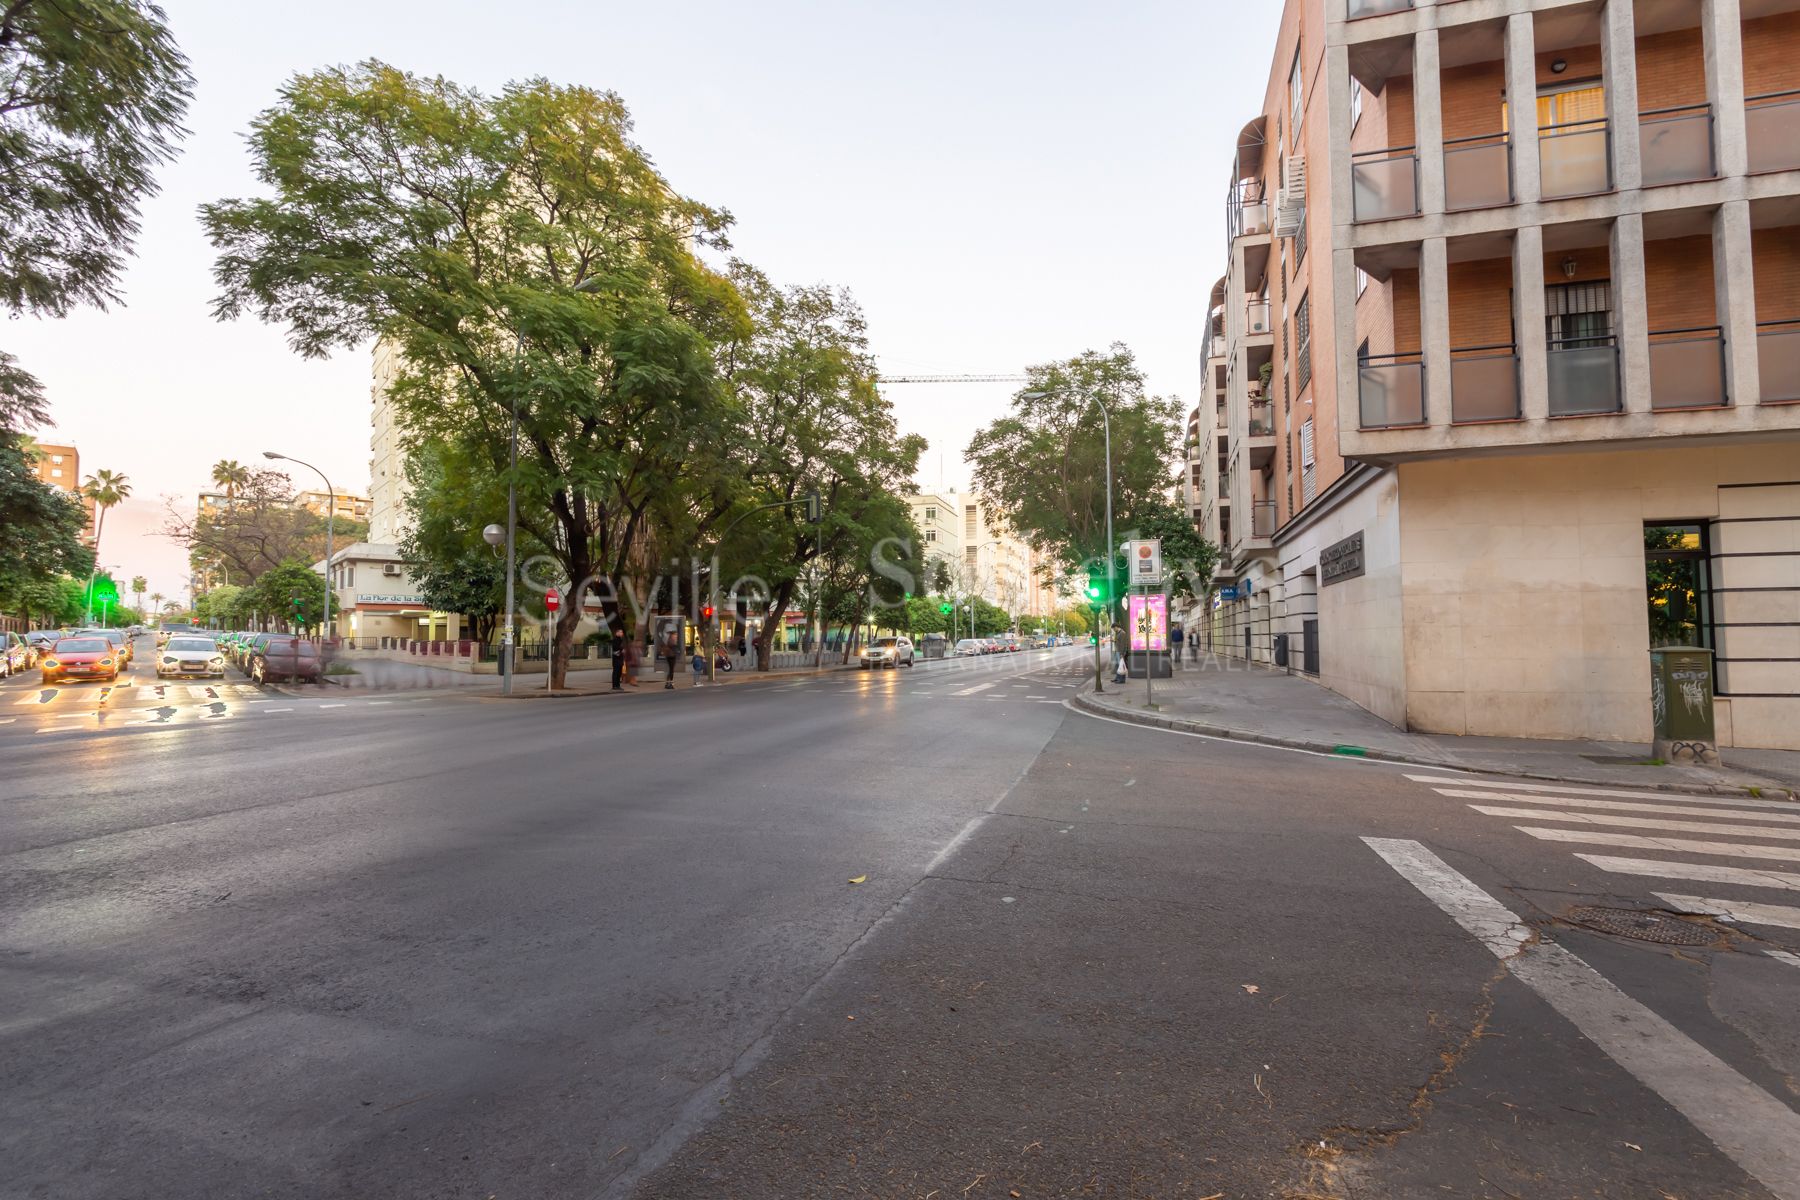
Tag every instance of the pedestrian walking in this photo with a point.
(671, 650)
(1175, 640)
(1121, 651)
(634, 658)
(617, 648)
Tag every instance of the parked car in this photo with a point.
(190, 657)
(285, 656)
(81, 658)
(969, 647)
(241, 652)
(16, 654)
(887, 652)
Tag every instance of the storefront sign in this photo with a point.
(379, 598)
(1341, 560)
(1228, 593)
(1147, 616)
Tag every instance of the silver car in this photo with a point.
(186, 656)
(887, 652)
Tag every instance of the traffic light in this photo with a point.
(813, 514)
(706, 613)
(1096, 590)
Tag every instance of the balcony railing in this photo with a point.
(1375, 8)
(1262, 420)
(1583, 375)
(1224, 488)
(1778, 359)
(1478, 171)
(1391, 390)
(1384, 184)
(1677, 144)
(1256, 218)
(1246, 208)
(1256, 317)
(1687, 367)
(1484, 383)
(1772, 129)
(1262, 518)
(1218, 345)
(1575, 159)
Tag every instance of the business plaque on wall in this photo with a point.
(1341, 560)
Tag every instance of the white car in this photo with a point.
(187, 656)
(887, 652)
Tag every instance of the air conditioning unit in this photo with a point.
(1290, 198)
(390, 569)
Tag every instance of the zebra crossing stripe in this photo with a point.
(1519, 785)
(1734, 910)
(1579, 818)
(1683, 810)
(1674, 845)
(1704, 872)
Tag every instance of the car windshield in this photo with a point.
(83, 646)
(191, 643)
(888, 643)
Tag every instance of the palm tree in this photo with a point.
(105, 488)
(230, 474)
(156, 599)
(138, 584)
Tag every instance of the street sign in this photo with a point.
(1143, 559)
(552, 601)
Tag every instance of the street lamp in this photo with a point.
(512, 504)
(330, 526)
(1111, 546)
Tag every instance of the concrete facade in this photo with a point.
(1534, 331)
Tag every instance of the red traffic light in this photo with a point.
(706, 613)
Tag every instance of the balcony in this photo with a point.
(1262, 518)
(1583, 375)
(1376, 8)
(1255, 218)
(1574, 159)
(1224, 488)
(1256, 317)
(1772, 128)
(1778, 355)
(1677, 144)
(1687, 368)
(1477, 172)
(1384, 184)
(1484, 384)
(1391, 390)
(1262, 419)
(1217, 349)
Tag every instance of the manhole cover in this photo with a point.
(1643, 926)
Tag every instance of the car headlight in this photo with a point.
(51, 662)
(218, 660)
(169, 662)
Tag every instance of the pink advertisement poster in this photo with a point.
(1148, 617)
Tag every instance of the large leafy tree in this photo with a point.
(291, 588)
(260, 528)
(1042, 466)
(523, 255)
(41, 528)
(452, 496)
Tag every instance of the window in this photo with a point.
(56, 472)
(931, 535)
(1306, 444)
(931, 512)
(1303, 343)
(1355, 103)
(1296, 94)
(1362, 282)
(1578, 314)
(1678, 585)
(56, 459)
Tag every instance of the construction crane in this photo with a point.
(951, 378)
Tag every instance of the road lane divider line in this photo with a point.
(1703, 872)
(331, 706)
(980, 687)
(1632, 841)
(1682, 809)
(1754, 1129)
(1792, 960)
(1743, 911)
(277, 710)
(1580, 818)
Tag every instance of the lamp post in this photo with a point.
(330, 527)
(1112, 547)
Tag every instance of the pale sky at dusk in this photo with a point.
(997, 183)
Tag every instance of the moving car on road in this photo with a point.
(284, 656)
(190, 657)
(81, 658)
(887, 652)
(16, 654)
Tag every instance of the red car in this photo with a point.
(81, 658)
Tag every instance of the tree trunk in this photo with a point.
(777, 613)
(566, 621)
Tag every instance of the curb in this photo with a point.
(645, 687)
(1085, 701)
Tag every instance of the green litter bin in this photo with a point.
(1681, 705)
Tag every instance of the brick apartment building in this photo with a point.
(1497, 396)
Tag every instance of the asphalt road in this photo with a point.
(431, 945)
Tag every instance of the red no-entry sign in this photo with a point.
(552, 601)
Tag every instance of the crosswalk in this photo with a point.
(41, 697)
(1662, 837)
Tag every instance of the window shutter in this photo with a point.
(1306, 443)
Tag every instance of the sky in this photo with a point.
(997, 183)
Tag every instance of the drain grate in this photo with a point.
(1643, 926)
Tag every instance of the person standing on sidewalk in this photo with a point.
(671, 650)
(1175, 639)
(617, 647)
(1121, 651)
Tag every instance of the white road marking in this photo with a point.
(1580, 818)
(1705, 872)
(1734, 910)
(1518, 785)
(980, 687)
(1208, 737)
(1632, 841)
(1695, 805)
(277, 710)
(324, 706)
(1683, 810)
(1792, 960)
(1757, 1131)
(1039, 696)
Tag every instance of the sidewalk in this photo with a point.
(1227, 698)
(599, 683)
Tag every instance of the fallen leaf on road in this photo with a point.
(860, 879)
(1635, 1146)
(974, 1183)
(848, 1017)
(1250, 987)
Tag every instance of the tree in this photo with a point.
(106, 489)
(453, 494)
(259, 529)
(231, 475)
(1042, 467)
(156, 601)
(226, 606)
(1187, 557)
(292, 594)
(138, 584)
(521, 253)
(40, 526)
